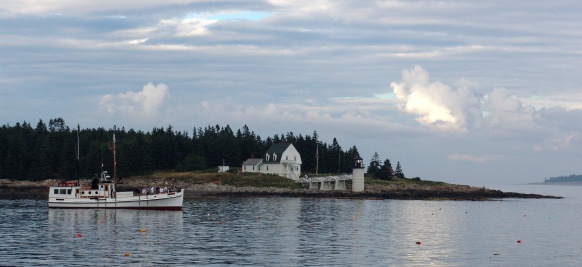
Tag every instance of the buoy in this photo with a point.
(519, 241)
(142, 230)
(126, 254)
(78, 235)
(418, 243)
(219, 222)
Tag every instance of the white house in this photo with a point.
(281, 159)
(252, 165)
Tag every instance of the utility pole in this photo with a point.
(317, 162)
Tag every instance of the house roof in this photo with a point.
(252, 162)
(277, 149)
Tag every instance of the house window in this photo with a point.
(267, 157)
(253, 168)
(295, 159)
(286, 157)
(267, 168)
(274, 157)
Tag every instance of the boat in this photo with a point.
(102, 194)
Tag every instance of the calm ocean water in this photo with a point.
(301, 232)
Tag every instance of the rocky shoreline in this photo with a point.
(27, 189)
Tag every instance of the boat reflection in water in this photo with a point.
(102, 236)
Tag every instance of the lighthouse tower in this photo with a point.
(358, 175)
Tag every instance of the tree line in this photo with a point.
(49, 151)
(564, 179)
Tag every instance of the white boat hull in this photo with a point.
(163, 201)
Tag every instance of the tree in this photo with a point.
(386, 172)
(191, 163)
(398, 173)
(374, 166)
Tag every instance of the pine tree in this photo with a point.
(398, 173)
(374, 166)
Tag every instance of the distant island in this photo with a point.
(573, 178)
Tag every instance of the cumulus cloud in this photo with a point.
(434, 103)
(497, 113)
(145, 104)
(507, 112)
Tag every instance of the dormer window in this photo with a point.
(267, 156)
(274, 157)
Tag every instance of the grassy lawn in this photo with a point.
(226, 178)
(402, 181)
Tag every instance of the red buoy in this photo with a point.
(519, 241)
(418, 243)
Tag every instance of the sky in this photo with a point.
(470, 92)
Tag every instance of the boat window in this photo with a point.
(63, 191)
(82, 192)
(69, 191)
(56, 191)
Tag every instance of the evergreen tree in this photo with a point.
(398, 172)
(386, 172)
(375, 165)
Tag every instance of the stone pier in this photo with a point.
(340, 185)
(313, 185)
(325, 186)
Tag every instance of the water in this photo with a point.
(222, 231)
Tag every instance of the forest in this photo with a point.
(57, 151)
(564, 179)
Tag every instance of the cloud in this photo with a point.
(434, 103)
(506, 111)
(145, 104)
(495, 115)
(472, 158)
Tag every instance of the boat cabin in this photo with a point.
(100, 188)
